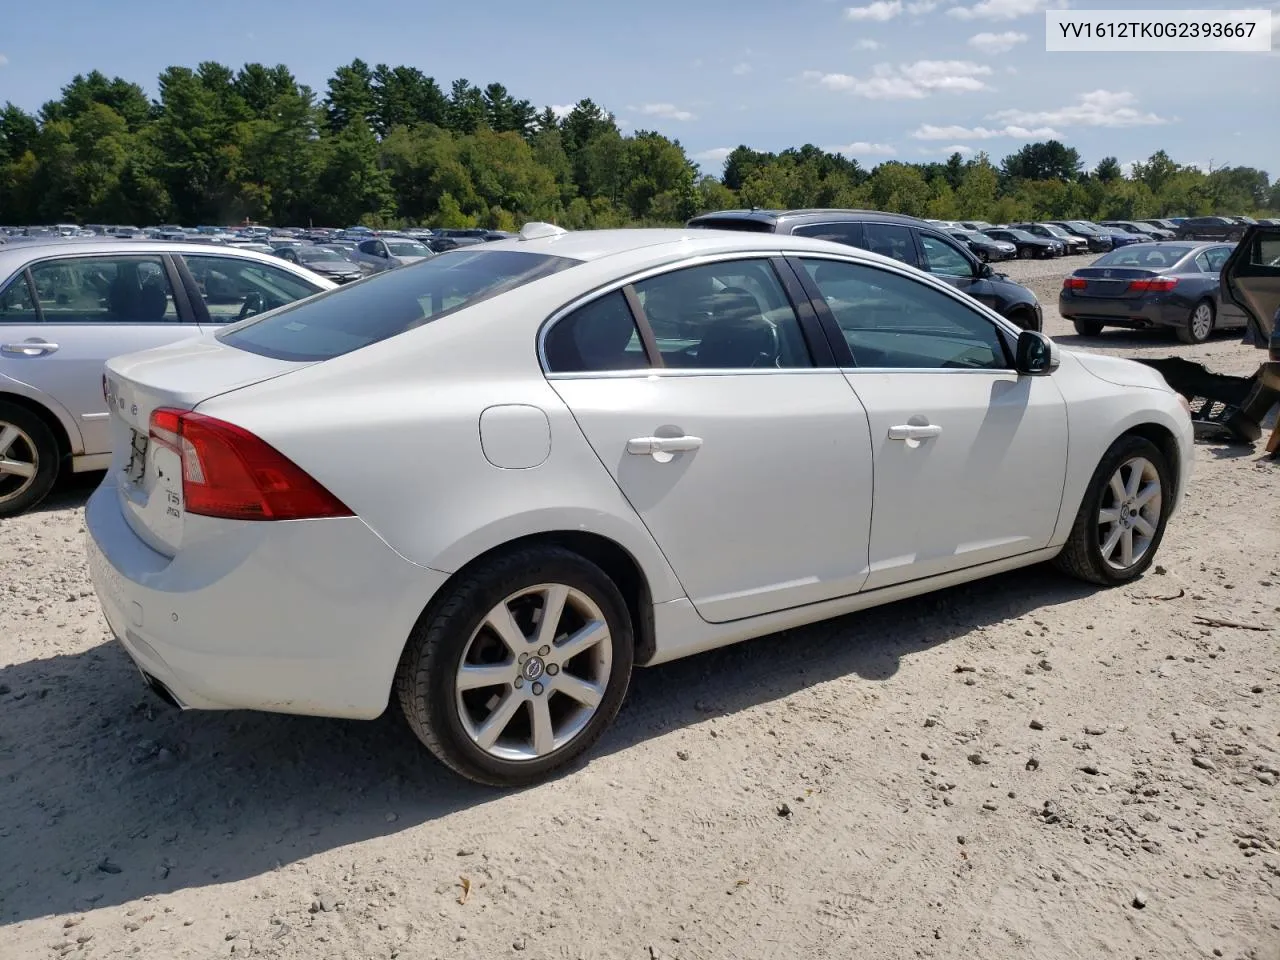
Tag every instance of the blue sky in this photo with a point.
(876, 79)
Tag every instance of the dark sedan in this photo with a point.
(1144, 230)
(1100, 239)
(1028, 244)
(1163, 284)
(328, 263)
(1210, 228)
(986, 249)
(1073, 243)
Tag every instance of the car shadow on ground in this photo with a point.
(107, 795)
(71, 491)
(1152, 338)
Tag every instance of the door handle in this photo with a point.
(31, 348)
(662, 448)
(911, 431)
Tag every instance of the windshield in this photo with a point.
(316, 254)
(1056, 231)
(967, 235)
(1020, 234)
(407, 248)
(1153, 256)
(399, 300)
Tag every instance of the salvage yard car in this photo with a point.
(68, 305)
(491, 483)
(1164, 284)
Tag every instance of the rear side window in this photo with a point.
(16, 305)
(113, 289)
(891, 240)
(356, 316)
(599, 337)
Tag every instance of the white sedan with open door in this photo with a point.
(492, 483)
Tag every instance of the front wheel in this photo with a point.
(1025, 253)
(1122, 517)
(520, 668)
(1199, 325)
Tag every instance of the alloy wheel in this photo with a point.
(534, 672)
(19, 462)
(1129, 515)
(1202, 322)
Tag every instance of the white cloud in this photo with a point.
(865, 44)
(715, 155)
(997, 42)
(741, 69)
(922, 6)
(862, 149)
(955, 132)
(561, 110)
(1002, 9)
(1100, 108)
(907, 81)
(959, 148)
(667, 111)
(880, 10)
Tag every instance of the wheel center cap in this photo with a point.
(533, 668)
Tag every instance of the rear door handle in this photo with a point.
(911, 431)
(662, 449)
(30, 348)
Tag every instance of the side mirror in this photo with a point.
(1036, 355)
(985, 272)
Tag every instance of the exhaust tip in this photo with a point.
(161, 691)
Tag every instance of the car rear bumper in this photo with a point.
(304, 617)
(1115, 312)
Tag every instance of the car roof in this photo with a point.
(820, 214)
(661, 244)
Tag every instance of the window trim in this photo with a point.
(923, 255)
(183, 318)
(659, 368)
(1005, 330)
(25, 274)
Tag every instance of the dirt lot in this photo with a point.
(1023, 767)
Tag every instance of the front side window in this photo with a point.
(131, 289)
(596, 338)
(891, 240)
(233, 289)
(398, 300)
(729, 315)
(371, 247)
(16, 305)
(890, 320)
(944, 259)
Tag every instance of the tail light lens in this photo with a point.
(227, 472)
(1154, 285)
(1074, 283)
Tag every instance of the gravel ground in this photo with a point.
(1022, 767)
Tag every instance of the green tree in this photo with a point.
(350, 98)
(1108, 169)
(1050, 160)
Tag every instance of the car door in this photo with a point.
(970, 457)
(945, 261)
(90, 308)
(1251, 281)
(710, 400)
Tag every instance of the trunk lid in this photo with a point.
(148, 475)
(1112, 282)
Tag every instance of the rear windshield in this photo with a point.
(349, 318)
(1143, 255)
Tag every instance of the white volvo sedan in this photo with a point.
(492, 483)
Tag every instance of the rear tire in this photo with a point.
(1199, 325)
(29, 459)
(460, 678)
(1125, 507)
(1025, 253)
(1087, 328)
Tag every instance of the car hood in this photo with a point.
(332, 267)
(1121, 372)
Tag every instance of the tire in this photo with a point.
(1025, 319)
(1083, 554)
(1025, 253)
(1087, 328)
(454, 634)
(25, 440)
(1199, 324)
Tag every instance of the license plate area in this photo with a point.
(136, 468)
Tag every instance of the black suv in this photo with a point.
(1211, 228)
(908, 239)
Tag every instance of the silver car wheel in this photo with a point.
(19, 462)
(1202, 322)
(1129, 516)
(534, 672)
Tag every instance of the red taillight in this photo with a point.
(1155, 285)
(228, 472)
(1074, 283)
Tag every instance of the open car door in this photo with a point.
(1251, 280)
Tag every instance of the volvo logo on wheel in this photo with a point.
(533, 668)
